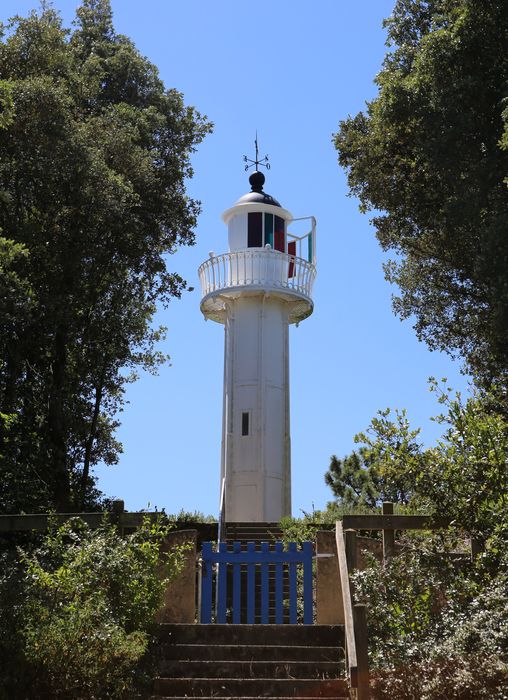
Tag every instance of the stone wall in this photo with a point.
(179, 602)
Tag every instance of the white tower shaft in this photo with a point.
(257, 289)
(255, 434)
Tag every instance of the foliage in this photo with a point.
(299, 529)
(464, 476)
(381, 469)
(82, 603)
(6, 104)
(429, 154)
(196, 516)
(434, 630)
(304, 528)
(94, 153)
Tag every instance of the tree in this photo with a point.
(430, 154)
(384, 466)
(93, 158)
(463, 476)
(353, 481)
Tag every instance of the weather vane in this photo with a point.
(257, 162)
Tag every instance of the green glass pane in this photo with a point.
(269, 229)
(310, 256)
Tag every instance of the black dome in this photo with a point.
(259, 197)
(257, 180)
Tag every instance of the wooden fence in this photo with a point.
(355, 618)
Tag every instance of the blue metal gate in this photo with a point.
(256, 577)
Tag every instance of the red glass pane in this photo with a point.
(291, 251)
(279, 238)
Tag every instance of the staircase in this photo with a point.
(250, 661)
(253, 532)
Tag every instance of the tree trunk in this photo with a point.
(57, 436)
(89, 443)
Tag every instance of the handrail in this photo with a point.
(311, 257)
(348, 606)
(222, 511)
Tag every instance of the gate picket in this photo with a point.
(234, 566)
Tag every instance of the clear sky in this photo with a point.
(290, 69)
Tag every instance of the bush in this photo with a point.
(83, 608)
(435, 631)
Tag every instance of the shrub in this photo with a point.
(85, 605)
(435, 631)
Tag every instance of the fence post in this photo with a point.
(117, 510)
(388, 535)
(362, 655)
(476, 548)
(351, 553)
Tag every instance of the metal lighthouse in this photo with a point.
(257, 289)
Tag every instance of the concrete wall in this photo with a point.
(179, 602)
(329, 609)
(328, 589)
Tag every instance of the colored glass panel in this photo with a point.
(279, 242)
(310, 253)
(255, 230)
(269, 229)
(291, 251)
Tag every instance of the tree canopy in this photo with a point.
(429, 156)
(463, 476)
(94, 153)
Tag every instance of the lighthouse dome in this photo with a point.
(256, 195)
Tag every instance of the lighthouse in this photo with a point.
(257, 289)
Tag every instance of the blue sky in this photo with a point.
(290, 69)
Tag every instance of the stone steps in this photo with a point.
(248, 652)
(250, 661)
(257, 635)
(192, 668)
(249, 687)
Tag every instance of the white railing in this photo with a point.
(258, 267)
(306, 244)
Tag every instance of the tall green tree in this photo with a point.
(94, 152)
(463, 476)
(383, 468)
(429, 156)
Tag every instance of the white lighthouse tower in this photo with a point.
(263, 284)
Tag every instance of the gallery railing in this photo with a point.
(262, 267)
